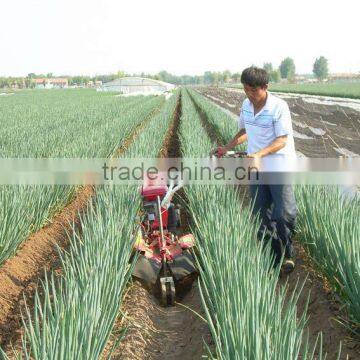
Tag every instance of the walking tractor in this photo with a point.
(164, 263)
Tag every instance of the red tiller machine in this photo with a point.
(164, 260)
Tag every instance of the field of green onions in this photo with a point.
(249, 315)
(328, 228)
(74, 123)
(338, 89)
(75, 315)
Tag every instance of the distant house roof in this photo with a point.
(38, 81)
(51, 80)
(345, 75)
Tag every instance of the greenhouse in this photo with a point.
(129, 85)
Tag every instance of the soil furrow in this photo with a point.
(156, 332)
(211, 131)
(171, 146)
(21, 274)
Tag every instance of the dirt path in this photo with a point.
(211, 132)
(171, 145)
(161, 333)
(21, 274)
(323, 309)
(156, 332)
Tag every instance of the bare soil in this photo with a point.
(339, 126)
(160, 333)
(323, 309)
(171, 144)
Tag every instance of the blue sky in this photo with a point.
(93, 37)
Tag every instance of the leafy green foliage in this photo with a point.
(287, 68)
(320, 68)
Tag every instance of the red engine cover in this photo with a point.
(150, 193)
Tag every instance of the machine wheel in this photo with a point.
(167, 288)
(172, 219)
(178, 217)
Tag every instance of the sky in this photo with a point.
(91, 37)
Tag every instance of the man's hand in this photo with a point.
(219, 151)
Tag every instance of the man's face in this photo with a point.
(256, 94)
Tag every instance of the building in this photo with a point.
(344, 76)
(137, 85)
(94, 84)
(50, 83)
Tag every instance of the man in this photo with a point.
(265, 123)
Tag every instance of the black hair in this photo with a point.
(254, 76)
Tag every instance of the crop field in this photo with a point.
(66, 290)
(341, 89)
(49, 128)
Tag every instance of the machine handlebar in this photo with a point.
(230, 154)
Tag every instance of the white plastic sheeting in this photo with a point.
(138, 85)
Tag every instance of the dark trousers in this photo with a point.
(276, 207)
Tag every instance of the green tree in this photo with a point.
(79, 80)
(208, 77)
(28, 82)
(198, 79)
(236, 77)
(268, 67)
(320, 68)
(287, 69)
(226, 76)
(275, 76)
(120, 74)
(217, 77)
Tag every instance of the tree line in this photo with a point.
(286, 70)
